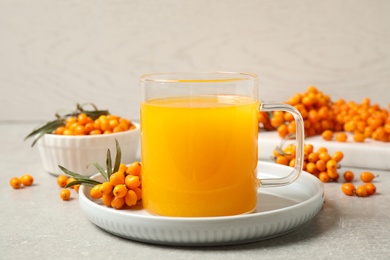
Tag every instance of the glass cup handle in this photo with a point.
(273, 182)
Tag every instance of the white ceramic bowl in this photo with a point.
(77, 153)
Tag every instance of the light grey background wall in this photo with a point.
(55, 53)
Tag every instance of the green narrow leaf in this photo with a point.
(101, 170)
(70, 173)
(87, 182)
(45, 129)
(109, 163)
(37, 139)
(117, 156)
(95, 114)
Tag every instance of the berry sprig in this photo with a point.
(317, 162)
(60, 121)
(122, 185)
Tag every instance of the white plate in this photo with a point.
(279, 211)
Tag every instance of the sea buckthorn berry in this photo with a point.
(120, 128)
(59, 130)
(89, 128)
(73, 126)
(327, 135)
(122, 167)
(331, 165)
(308, 100)
(132, 182)
(360, 126)
(308, 148)
(70, 120)
(76, 187)
(282, 130)
(290, 152)
(361, 191)
(321, 165)
(79, 130)
(106, 188)
(348, 189)
(324, 156)
(313, 157)
(292, 163)
(117, 178)
(371, 188)
(131, 198)
(304, 165)
(112, 117)
(95, 132)
(119, 190)
(338, 156)
(124, 121)
(288, 117)
(387, 128)
(113, 123)
(68, 132)
(311, 167)
(97, 124)
(276, 154)
(324, 177)
(82, 118)
(65, 194)
(117, 202)
(295, 99)
(350, 126)
(95, 192)
(106, 199)
(281, 160)
(277, 121)
(27, 180)
(291, 128)
(62, 180)
(138, 191)
(341, 137)
(348, 176)
(368, 131)
(134, 169)
(15, 183)
(322, 149)
(367, 176)
(359, 137)
(333, 174)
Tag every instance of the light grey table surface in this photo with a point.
(36, 224)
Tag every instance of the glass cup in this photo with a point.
(199, 143)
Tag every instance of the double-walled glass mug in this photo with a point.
(199, 143)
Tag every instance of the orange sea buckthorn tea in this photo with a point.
(199, 144)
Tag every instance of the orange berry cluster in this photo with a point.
(367, 189)
(85, 125)
(364, 120)
(324, 117)
(319, 163)
(25, 180)
(123, 188)
(62, 181)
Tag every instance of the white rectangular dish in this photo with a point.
(370, 154)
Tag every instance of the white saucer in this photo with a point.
(279, 211)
